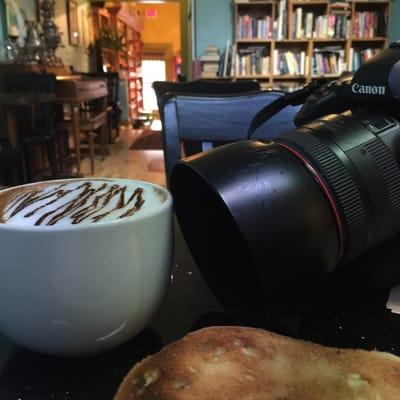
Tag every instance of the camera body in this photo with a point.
(268, 221)
(376, 85)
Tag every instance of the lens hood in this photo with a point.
(257, 224)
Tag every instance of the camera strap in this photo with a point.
(289, 99)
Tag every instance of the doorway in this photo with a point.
(152, 70)
(161, 52)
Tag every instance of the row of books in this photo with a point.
(256, 61)
(369, 24)
(287, 62)
(336, 25)
(311, 25)
(328, 61)
(360, 56)
(256, 28)
(252, 61)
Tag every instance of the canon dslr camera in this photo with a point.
(267, 219)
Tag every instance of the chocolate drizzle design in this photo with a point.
(88, 203)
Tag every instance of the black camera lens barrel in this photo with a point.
(255, 222)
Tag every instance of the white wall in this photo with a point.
(395, 21)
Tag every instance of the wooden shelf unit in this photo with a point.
(135, 86)
(127, 61)
(349, 45)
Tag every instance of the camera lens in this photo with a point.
(267, 221)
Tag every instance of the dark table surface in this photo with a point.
(349, 315)
(25, 99)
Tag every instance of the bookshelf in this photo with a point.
(126, 58)
(296, 41)
(135, 82)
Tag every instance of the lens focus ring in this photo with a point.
(390, 172)
(342, 186)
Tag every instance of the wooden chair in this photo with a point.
(113, 104)
(93, 126)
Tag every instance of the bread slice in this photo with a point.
(229, 363)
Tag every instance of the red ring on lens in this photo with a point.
(326, 191)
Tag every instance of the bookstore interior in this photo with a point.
(287, 43)
(281, 43)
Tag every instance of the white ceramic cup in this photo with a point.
(81, 290)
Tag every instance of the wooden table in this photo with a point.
(353, 316)
(73, 91)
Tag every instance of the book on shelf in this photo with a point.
(211, 53)
(328, 60)
(253, 60)
(233, 60)
(227, 59)
(212, 49)
(210, 57)
(196, 68)
(287, 62)
(207, 75)
(211, 67)
(210, 70)
(298, 26)
(369, 24)
(357, 57)
(281, 24)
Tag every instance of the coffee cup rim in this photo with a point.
(100, 225)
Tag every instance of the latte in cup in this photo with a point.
(80, 202)
(84, 263)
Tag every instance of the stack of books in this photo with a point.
(310, 25)
(369, 24)
(360, 56)
(210, 62)
(288, 62)
(328, 60)
(253, 60)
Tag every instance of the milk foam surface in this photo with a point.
(82, 202)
